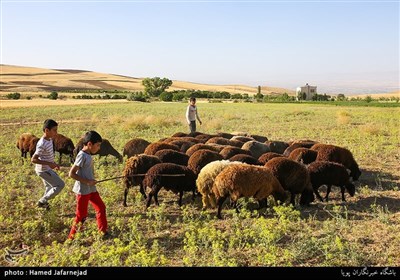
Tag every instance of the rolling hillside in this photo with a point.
(30, 79)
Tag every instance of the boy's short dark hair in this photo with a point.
(192, 98)
(49, 124)
(92, 136)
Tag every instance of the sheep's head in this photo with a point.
(355, 173)
(307, 196)
(351, 189)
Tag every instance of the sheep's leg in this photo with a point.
(318, 195)
(59, 159)
(71, 156)
(125, 195)
(220, 202)
(156, 197)
(328, 190)
(236, 207)
(148, 201)
(292, 197)
(342, 189)
(141, 189)
(194, 195)
(180, 198)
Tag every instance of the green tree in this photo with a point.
(155, 86)
(341, 97)
(53, 95)
(166, 96)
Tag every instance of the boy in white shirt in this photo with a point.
(44, 160)
(191, 115)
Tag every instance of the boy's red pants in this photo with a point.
(82, 211)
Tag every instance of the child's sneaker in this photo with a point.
(44, 205)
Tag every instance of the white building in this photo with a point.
(306, 92)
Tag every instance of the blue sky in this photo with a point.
(340, 46)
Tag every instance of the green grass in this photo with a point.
(361, 232)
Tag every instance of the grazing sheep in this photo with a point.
(171, 139)
(201, 158)
(264, 158)
(230, 151)
(256, 148)
(64, 145)
(245, 180)
(339, 155)
(224, 141)
(155, 181)
(172, 156)
(24, 143)
(138, 164)
(293, 177)
(32, 145)
(303, 155)
(183, 145)
(259, 138)
(278, 147)
(298, 144)
(226, 135)
(205, 181)
(330, 173)
(245, 159)
(242, 139)
(105, 149)
(179, 134)
(203, 138)
(135, 146)
(155, 147)
(201, 146)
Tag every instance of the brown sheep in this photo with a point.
(339, 155)
(225, 135)
(64, 145)
(230, 151)
(200, 146)
(245, 159)
(203, 138)
(264, 158)
(24, 143)
(303, 155)
(256, 148)
(293, 177)
(278, 147)
(330, 173)
(138, 164)
(243, 180)
(155, 147)
(183, 145)
(172, 156)
(155, 181)
(224, 141)
(259, 138)
(135, 146)
(298, 144)
(201, 158)
(105, 149)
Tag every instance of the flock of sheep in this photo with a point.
(224, 166)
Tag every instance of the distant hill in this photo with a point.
(31, 79)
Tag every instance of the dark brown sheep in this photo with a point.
(183, 145)
(298, 144)
(201, 146)
(138, 164)
(105, 149)
(259, 138)
(201, 158)
(155, 181)
(330, 173)
(339, 155)
(224, 141)
(245, 159)
(293, 177)
(155, 147)
(278, 147)
(264, 158)
(242, 180)
(225, 135)
(203, 138)
(172, 156)
(179, 134)
(230, 151)
(303, 155)
(135, 146)
(64, 145)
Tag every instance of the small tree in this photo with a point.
(166, 96)
(53, 95)
(341, 97)
(155, 86)
(15, 95)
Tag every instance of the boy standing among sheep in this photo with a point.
(191, 115)
(85, 185)
(44, 160)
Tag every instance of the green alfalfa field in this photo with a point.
(360, 232)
